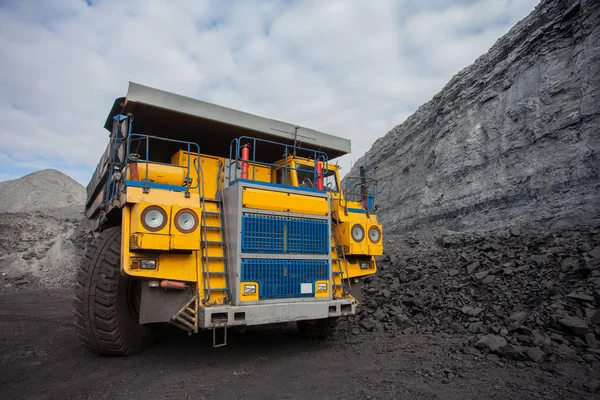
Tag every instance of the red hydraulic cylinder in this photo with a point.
(319, 175)
(172, 285)
(245, 157)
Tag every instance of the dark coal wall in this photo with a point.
(513, 139)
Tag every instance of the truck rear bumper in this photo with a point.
(219, 316)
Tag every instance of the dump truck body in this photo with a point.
(226, 218)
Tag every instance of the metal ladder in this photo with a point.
(208, 246)
(339, 251)
(187, 316)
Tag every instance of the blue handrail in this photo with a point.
(235, 158)
(146, 160)
(118, 165)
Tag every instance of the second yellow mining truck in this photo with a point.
(206, 217)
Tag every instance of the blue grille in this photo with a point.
(277, 235)
(279, 279)
(262, 234)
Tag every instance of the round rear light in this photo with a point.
(374, 234)
(186, 220)
(358, 233)
(154, 218)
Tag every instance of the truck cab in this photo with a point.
(205, 217)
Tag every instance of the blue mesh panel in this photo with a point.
(262, 234)
(280, 279)
(277, 235)
(307, 236)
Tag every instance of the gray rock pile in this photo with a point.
(521, 296)
(41, 238)
(45, 191)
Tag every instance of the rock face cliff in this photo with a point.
(513, 139)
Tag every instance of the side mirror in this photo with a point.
(123, 129)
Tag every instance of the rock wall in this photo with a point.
(512, 139)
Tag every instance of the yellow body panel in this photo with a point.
(284, 202)
(172, 266)
(159, 173)
(149, 241)
(210, 168)
(184, 242)
(156, 196)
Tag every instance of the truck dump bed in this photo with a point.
(170, 115)
(160, 113)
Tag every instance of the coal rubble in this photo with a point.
(519, 296)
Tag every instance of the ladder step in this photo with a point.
(211, 213)
(184, 322)
(216, 258)
(216, 273)
(187, 317)
(217, 289)
(211, 227)
(211, 243)
(337, 272)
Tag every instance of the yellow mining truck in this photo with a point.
(206, 217)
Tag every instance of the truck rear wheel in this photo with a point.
(317, 328)
(106, 304)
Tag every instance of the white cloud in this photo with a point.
(350, 68)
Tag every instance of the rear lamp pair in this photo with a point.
(358, 233)
(143, 263)
(154, 219)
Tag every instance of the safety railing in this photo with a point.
(362, 188)
(125, 165)
(136, 159)
(243, 164)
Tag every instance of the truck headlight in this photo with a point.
(250, 289)
(365, 265)
(374, 234)
(186, 220)
(143, 263)
(154, 218)
(358, 233)
(321, 287)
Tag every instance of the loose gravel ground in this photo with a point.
(40, 357)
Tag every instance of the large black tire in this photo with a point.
(106, 315)
(317, 328)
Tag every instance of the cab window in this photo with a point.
(282, 177)
(306, 175)
(330, 181)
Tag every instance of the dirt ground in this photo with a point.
(40, 357)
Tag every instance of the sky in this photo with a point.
(349, 68)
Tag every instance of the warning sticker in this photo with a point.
(306, 288)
